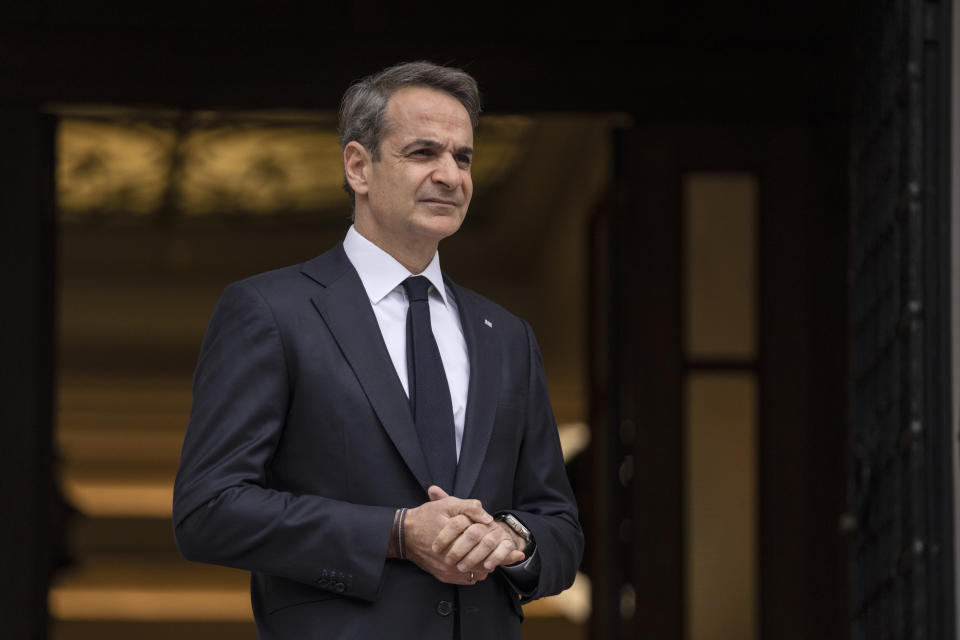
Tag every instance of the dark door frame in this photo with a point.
(637, 409)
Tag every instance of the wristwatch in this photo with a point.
(511, 521)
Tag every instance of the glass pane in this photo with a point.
(721, 498)
(721, 220)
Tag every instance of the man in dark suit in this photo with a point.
(378, 448)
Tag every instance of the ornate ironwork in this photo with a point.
(902, 550)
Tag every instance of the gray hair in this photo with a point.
(364, 105)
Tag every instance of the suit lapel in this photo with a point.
(346, 310)
(483, 350)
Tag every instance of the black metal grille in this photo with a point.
(894, 427)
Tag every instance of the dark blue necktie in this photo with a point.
(428, 388)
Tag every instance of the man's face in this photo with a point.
(420, 187)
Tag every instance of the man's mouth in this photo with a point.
(444, 201)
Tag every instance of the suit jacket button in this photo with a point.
(340, 587)
(444, 607)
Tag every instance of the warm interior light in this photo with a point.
(190, 164)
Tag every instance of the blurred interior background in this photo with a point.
(730, 226)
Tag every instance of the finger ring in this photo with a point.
(471, 577)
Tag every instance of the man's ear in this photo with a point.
(356, 166)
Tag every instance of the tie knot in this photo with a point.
(416, 287)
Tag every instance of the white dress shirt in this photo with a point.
(382, 278)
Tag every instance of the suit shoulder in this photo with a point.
(272, 278)
(295, 278)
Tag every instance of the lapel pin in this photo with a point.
(488, 323)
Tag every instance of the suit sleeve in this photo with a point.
(223, 509)
(543, 499)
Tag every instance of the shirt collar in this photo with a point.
(380, 272)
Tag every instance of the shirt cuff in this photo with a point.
(524, 576)
(528, 565)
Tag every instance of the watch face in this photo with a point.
(517, 526)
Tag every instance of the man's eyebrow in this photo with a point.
(432, 144)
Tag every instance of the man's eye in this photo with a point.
(464, 160)
(423, 152)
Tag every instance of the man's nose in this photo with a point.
(447, 172)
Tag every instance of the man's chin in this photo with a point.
(439, 227)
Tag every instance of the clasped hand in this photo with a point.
(456, 540)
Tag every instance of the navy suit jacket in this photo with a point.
(301, 447)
